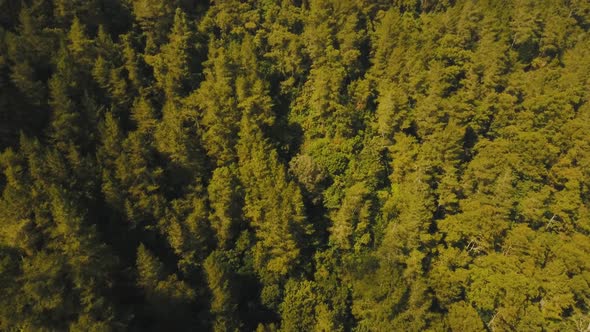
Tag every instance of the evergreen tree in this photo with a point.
(291, 165)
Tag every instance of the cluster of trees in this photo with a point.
(285, 165)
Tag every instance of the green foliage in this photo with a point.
(219, 278)
(165, 295)
(315, 165)
(297, 309)
(273, 206)
(173, 64)
(224, 193)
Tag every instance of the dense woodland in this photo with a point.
(294, 165)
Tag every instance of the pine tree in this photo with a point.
(221, 285)
(225, 199)
(154, 18)
(166, 296)
(217, 106)
(273, 207)
(174, 63)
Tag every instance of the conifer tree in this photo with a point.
(274, 208)
(174, 63)
(223, 306)
(225, 199)
(315, 165)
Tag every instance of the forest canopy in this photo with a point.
(294, 165)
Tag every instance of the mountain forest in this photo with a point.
(295, 165)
